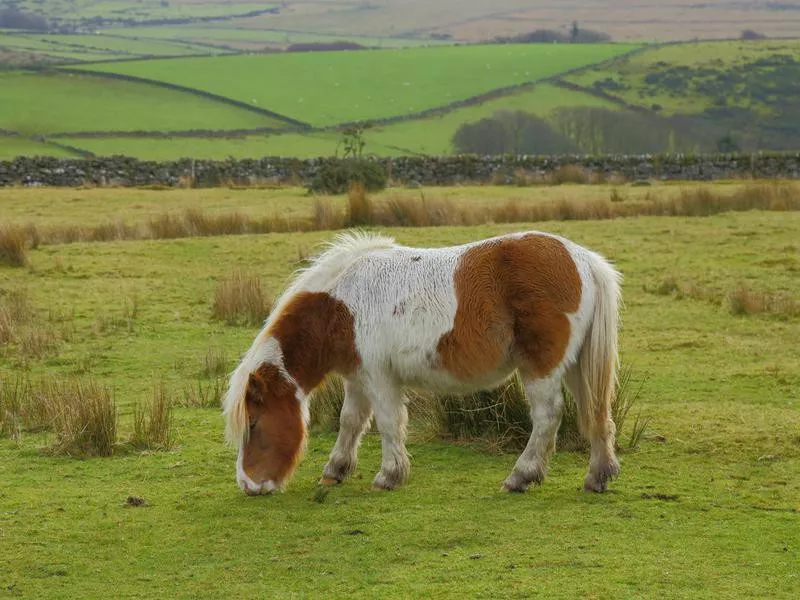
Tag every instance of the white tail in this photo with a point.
(599, 354)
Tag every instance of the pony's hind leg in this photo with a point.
(546, 400)
(599, 429)
(353, 421)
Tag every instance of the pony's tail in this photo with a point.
(599, 355)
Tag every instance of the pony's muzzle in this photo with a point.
(249, 487)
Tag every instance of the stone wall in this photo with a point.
(123, 171)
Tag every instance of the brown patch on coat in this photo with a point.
(317, 335)
(277, 431)
(513, 299)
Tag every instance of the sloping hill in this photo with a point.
(329, 88)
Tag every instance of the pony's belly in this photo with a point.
(432, 379)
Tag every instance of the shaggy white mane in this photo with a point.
(319, 276)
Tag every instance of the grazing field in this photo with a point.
(55, 103)
(690, 78)
(111, 45)
(419, 136)
(11, 146)
(347, 86)
(706, 507)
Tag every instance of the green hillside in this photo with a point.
(36, 103)
(329, 88)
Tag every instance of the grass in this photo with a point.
(153, 421)
(329, 88)
(420, 136)
(13, 146)
(241, 299)
(13, 246)
(719, 456)
(56, 103)
(435, 209)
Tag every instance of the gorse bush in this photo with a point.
(240, 299)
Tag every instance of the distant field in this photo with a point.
(223, 34)
(324, 89)
(38, 103)
(13, 146)
(118, 45)
(423, 136)
(692, 77)
(141, 10)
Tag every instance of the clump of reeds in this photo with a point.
(240, 299)
(153, 422)
(325, 404)
(84, 417)
(13, 246)
(204, 394)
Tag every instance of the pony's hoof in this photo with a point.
(329, 481)
(384, 483)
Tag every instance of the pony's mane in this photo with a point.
(318, 276)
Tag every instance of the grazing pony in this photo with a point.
(454, 320)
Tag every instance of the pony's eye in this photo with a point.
(252, 425)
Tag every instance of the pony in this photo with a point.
(457, 319)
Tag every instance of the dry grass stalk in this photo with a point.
(13, 246)
(215, 363)
(744, 301)
(326, 217)
(241, 299)
(326, 404)
(204, 394)
(13, 390)
(152, 421)
(35, 341)
(359, 206)
(84, 417)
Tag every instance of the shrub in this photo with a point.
(152, 421)
(337, 175)
(13, 246)
(240, 299)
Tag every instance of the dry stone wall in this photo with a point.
(428, 171)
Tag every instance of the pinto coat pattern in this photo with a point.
(455, 320)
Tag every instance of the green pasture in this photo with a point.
(706, 508)
(333, 87)
(53, 103)
(420, 136)
(705, 61)
(12, 146)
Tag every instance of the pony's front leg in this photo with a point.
(353, 421)
(547, 402)
(391, 417)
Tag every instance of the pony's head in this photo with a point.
(265, 418)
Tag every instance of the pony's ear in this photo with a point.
(256, 388)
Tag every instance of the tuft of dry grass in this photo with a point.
(326, 217)
(214, 363)
(204, 394)
(152, 421)
(744, 301)
(359, 206)
(13, 390)
(568, 174)
(325, 404)
(13, 246)
(241, 299)
(84, 419)
(15, 312)
(35, 341)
